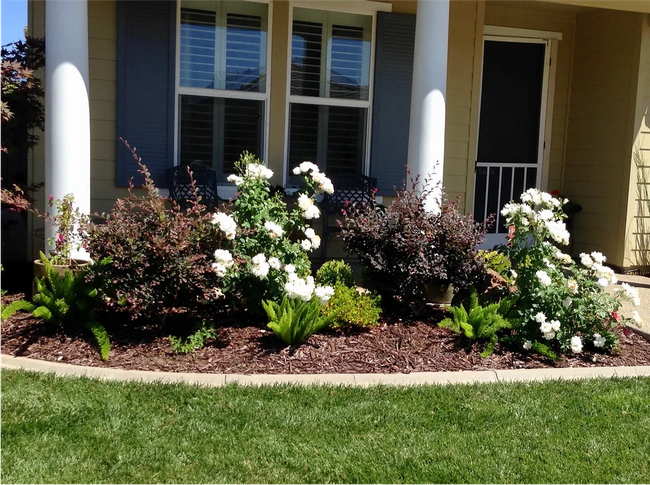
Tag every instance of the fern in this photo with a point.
(478, 322)
(294, 320)
(67, 299)
(16, 306)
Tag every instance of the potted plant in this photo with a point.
(413, 255)
(65, 223)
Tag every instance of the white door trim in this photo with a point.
(521, 33)
(500, 34)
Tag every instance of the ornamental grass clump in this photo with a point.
(406, 247)
(265, 243)
(562, 305)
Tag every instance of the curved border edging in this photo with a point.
(415, 378)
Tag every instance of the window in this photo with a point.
(329, 95)
(222, 86)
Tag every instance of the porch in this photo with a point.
(589, 142)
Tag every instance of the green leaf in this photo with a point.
(43, 312)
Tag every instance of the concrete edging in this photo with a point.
(361, 380)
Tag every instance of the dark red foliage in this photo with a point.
(161, 255)
(404, 247)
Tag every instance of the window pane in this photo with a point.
(347, 64)
(217, 131)
(306, 50)
(331, 136)
(223, 45)
(330, 54)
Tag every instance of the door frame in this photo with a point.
(549, 40)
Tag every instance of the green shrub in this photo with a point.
(335, 272)
(69, 300)
(497, 261)
(16, 306)
(477, 322)
(295, 320)
(349, 308)
(193, 342)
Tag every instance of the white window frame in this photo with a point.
(353, 7)
(227, 189)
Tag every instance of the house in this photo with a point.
(491, 96)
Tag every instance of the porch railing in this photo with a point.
(496, 184)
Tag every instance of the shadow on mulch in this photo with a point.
(245, 346)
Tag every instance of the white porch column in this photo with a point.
(427, 127)
(67, 110)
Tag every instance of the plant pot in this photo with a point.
(78, 265)
(439, 293)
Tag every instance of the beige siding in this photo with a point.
(599, 141)
(637, 232)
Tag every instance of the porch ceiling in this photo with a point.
(627, 5)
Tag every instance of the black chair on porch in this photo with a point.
(205, 180)
(348, 189)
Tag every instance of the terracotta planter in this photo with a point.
(439, 293)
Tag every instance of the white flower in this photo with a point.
(636, 318)
(310, 233)
(260, 270)
(603, 282)
(576, 344)
(220, 269)
(258, 259)
(257, 170)
(275, 263)
(304, 202)
(599, 341)
(572, 285)
(527, 196)
(308, 167)
(290, 268)
(528, 345)
(514, 274)
(524, 221)
(586, 260)
(543, 277)
(226, 223)
(546, 198)
(555, 325)
(305, 244)
(558, 231)
(297, 171)
(235, 179)
(546, 327)
(223, 257)
(275, 231)
(315, 242)
(549, 335)
(598, 257)
(540, 317)
(324, 293)
(312, 212)
(567, 302)
(324, 183)
(299, 288)
(548, 263)
(631, 293)
(546, 215)
(556, 202)
(559, 255)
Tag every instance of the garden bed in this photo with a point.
(246, 348)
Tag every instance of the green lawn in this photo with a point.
(82, 430)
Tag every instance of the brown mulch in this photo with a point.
(395, 346)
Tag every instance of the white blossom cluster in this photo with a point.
(324, 184)
(538, 207)
(305, 288)
(226, 223)
(630, 293)
(309, 209)
(543, 277)
(258, 171)
(599, 340)
(275, 231)
(223, 261)
(594, 262)
(576, 344)
(259, 266)
(548, 328)
(312, 241)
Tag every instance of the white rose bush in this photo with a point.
(263, 262)
(561, 306)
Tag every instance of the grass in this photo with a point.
(82, 430)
